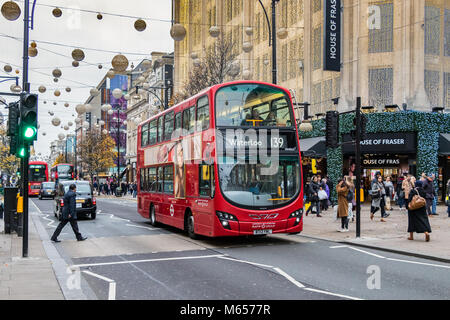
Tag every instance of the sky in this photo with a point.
(79, 29)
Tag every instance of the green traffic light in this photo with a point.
(30, 132)
(22, 152)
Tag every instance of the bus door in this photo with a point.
(203, 206)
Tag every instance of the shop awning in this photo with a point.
(313, 147)
(444, 144)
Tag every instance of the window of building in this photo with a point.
(317, 48)
(202, 114)
(316, 5)
(168, 125)
(447, 90)
(206, 180)
(381, 87)
(168, 179)
(432, 87)
(144, 135)
(153, 132)
(381, 39)
(160, 129)
(432, 30)
(284, 62)
(447, 33)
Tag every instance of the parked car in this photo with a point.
(86, 203)
(47, 190)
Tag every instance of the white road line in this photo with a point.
(333, 294)
(248, 262)
(335, 247)
(141, 261)
(132, 225)
(289, 278)
(366, 252)
(112, 284)
(422, 263)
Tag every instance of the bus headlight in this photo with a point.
(224, 219)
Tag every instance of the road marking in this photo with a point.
(112, 284)
(248, 262)
(422, 263)
(146, 260)
(335, 247)
(148, 228)
(51, 221)
(366, 252)
(333, 294)
(289, 278)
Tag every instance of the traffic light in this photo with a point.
(362, 127)
(28, 118)
(13, 126)
(332, 129)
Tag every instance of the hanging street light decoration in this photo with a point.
(33, 44)
(214, 31)
(100, 66)
(57, 12)
(56, 121)
(88, 107)
(42, 89)
(51, 113)
(78, 55)
(17, 71)
(55, 103)
(70, 123)
(140, 25)
(57, 73)
(249, 31)
(147, 64)
(246, 74)
(105, 132)
(75, 63)
(282, 33)
(194, 55)
(80, 109)
(127, 97)
(117, 93)
(11, 10)
(119, 63)
(61, 136)
(110, 112)
(55, 80)
(178, 32)
(15, 88)
(68, 89)
(57, 93)
(110, 74)
(99, 16)
(44, 134)
(66, 128)
(247, 47)
(7, 68)
(94, 92)
(32, 52)
(66, 105)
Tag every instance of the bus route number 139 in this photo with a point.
(277, 142)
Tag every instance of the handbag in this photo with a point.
(417, 202)
(322, 194)
(447, 201)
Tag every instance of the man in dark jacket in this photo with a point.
(429, 191)
(69, 214)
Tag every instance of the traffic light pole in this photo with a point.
(358, 166)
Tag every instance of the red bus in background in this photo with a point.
(200, 165)
(37, 173)
(61, 172)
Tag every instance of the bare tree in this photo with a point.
(217, 66)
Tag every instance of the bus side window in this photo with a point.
(152, 180)
(178, 123)
(168, 179)
(202, 114)
(206, 180)
(191, 119)
(186, 120)
(160, 179)
(160, 129)
(153, 132)
(144, 136)
(168, 126)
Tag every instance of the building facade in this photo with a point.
(392, 52)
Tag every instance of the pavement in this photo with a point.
(387, 236)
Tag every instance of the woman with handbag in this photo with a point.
(417, 213)
(377, 193)
(314, 197)
(342, 190)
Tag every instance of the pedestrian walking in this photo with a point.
(389, 189)
(434, 203)
(417, 218)
(407, 185)
(134, 190)
(399, 193)
(378, 193)
(69, 214)
(342, 212)
(313, 192)
(447, 198)
(350, 196)
(429, 192)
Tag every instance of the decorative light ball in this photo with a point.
(55, 103)
(127, 97)
(78, 55)
(44, 133)
(15, 88)
(110, 112)
(249, 31)
(42, 89)
(75, 63)
(66, 128)
(147, 64)
(57, 73)
(66, 105)
(110, 74)
(101, 122)
(17, 71)
(234, 69)
(214, 31)
(120, 63)
(141, 79)
(80, 109)
(33, 44)
(266, 62)
(282, 33)
(51, 113)
(140, 25)
(99, 16)
(57, 12)
(94, 92)
(45, 102)
(178, 32)
(196, 62)
(117, 93)
(57, 93)
(7, 68)
(109, 107)
(100, 66)
(247, 74)
(56, 121)
(11, 10)
(88, 107)
(32, 52)
(146, 85)
(68, 89)
(85, 125)
(70, 123)
(104, 131)
(77, 120)
(104, 108)
(55, 80)
(61, 136)
(247, 47)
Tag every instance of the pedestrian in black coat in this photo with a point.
(69, 214)
(418, 219)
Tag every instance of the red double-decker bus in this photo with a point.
(62, 171)
(225, 162)
(37, 173)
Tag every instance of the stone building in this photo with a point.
(393, 52)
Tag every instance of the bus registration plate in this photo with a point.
(263, 231)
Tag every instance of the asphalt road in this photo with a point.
(126, 258)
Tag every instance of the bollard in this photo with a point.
(10, 206)
(19, 225)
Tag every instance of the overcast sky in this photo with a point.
(80, 29)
